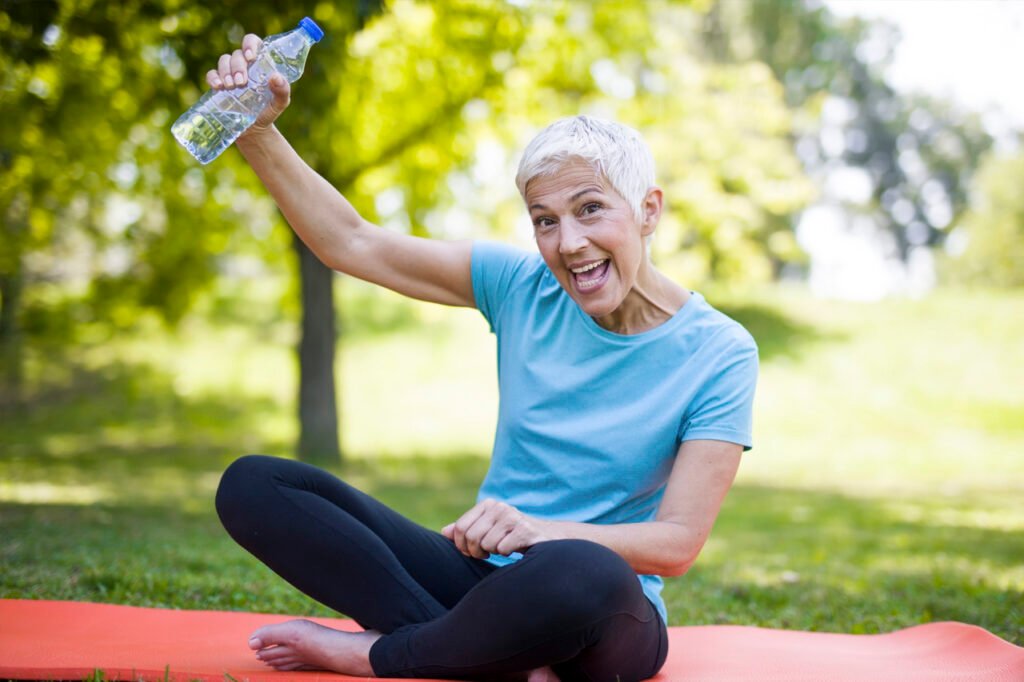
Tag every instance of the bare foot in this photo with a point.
(304, 645)
(545, 674)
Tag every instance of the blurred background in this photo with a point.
(842, 177)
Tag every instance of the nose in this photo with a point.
(572, 237)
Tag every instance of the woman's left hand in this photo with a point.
(493, 527)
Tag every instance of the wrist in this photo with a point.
(256, 136)
(549, 530)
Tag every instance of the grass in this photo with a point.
(884, 489)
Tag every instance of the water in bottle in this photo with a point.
(220, 116)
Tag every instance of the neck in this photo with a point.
(652, 301)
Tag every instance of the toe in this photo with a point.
(279, 633)
(276, 653)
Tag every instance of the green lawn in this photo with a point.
(884, 490)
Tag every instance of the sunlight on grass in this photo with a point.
(1005, 518)
(432, 391)
(165, 485)
(883, 489)
(48, 493)
(915, 391)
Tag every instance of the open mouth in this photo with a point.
(591, 275)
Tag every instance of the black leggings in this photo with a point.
(571, 604)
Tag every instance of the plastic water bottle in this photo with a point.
(220, 116)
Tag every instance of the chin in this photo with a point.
(595, 308)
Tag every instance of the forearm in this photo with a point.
(655, 548)
(318, 213)
(426, 269)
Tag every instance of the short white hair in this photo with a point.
(616, 151)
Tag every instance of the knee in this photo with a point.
(592, 580)
(240, 487)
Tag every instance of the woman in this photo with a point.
(625, 404)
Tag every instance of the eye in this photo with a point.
(543, 223)
(592, 207)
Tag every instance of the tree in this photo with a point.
(915, 153)
(95, 88)
(719, 132)
(988, 245)
(347, 121)
(393, 105)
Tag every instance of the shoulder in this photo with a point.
(708, 325)
(490, 255)
(502, 274)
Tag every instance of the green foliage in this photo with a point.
(106, 218)
(95, 186)
(99, 197)
(719, 132)
(993, 228)
(916, 153)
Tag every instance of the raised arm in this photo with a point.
(425, 269)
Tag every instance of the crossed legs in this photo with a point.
(429, 610)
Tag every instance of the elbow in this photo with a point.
(670, 552)
(676, 568)
(677, 557)
(344, 247)
(674, 563)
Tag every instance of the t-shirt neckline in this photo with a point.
(664, 328)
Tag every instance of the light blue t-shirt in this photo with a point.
(589, 421)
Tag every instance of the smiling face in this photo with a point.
(591, 239)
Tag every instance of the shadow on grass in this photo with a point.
(172, 552)
(129, 411)
(122, 435)
(775, 333)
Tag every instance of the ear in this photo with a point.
(652, 206)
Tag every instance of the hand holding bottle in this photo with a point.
(233, 72)
(249, 90)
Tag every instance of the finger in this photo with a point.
(508, 524)
(251, 44)
(213, 78)
(513, 541)
(462, 524)
(448, 531)
(465, 522)
(498, 522)
(224, 69)
(490, 542)
(281, 90)
(239, 68)
(493, 516)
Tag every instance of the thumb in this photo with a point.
(281, 88)
(447, 531)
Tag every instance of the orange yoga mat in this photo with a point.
(59, 640)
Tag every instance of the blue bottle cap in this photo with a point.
(314, 31)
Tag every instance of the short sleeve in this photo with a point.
(495, 268)
(723, 408)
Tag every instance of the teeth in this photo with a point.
(587, 268)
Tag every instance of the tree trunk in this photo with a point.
(318, 412)
(11, 350)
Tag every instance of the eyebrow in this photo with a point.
(574, 197)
